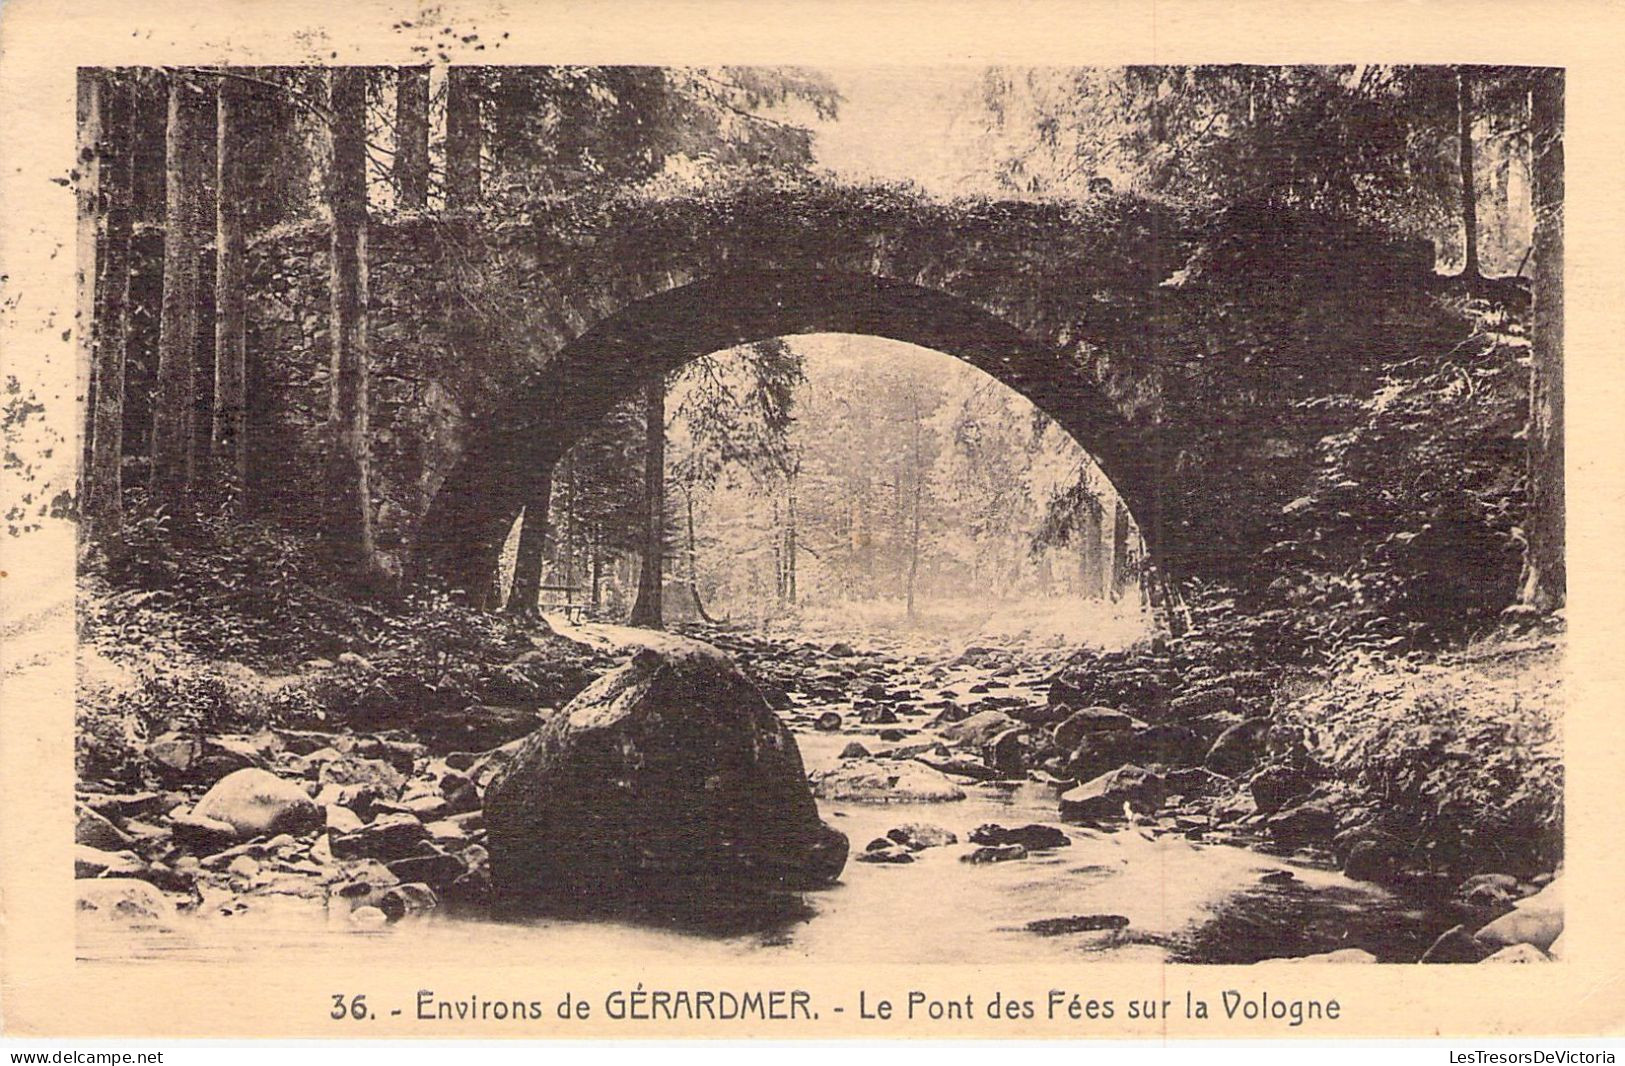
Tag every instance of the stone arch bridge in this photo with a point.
(1172, 349)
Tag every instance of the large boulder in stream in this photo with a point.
(668, 781)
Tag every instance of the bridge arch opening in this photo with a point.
(906, 494)
(477, 504)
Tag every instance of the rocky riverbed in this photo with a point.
(995, 802)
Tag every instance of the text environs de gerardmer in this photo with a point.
(636, 1004)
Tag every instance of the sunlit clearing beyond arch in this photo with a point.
(1041, 595)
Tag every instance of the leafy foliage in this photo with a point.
(1365, 142)
(1410, 535)
(1461, 755)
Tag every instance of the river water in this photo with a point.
(1183, 901)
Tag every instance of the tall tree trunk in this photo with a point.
(1469, 195)
(462, 138)
(898, 553)
(512, 102)
(349, 519)
(571, 521)
(597, 566)
(110, 319)
(646, 611)
(914, 552)
(229, 431)
(1120, 566)
(778, 553)
(790, 541)
(91, 215)
(596, 563)
(174, 450)
(694, 559)
(526, 589)
(914, 531)
(1545, 578)
(1092, 552)
(412, 138)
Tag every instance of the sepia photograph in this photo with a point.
(959, 514)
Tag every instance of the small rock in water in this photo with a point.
(869, 781)
(916, 836)
(391, 836)
(1032, 837)
(341, 819)
(1520, 953)
(1239, 748)
(1536, 920)
(1275, 786)
(1077, 923)
(125, 901)
(959, 765)
(828, 722)
(1279, 877)
(447, 831)
(1206, 701)
(254, 802)
(405, 901)
(1308, 822)
(1080, 724)
(201, 834)
(1490, 892)
(94, 862)
(1343, 955)
(96, 831)
(128, 804)
(854, 750)
(1195, 781)
(426, 807)
(1105, 797)
(437, 870)
(995, 853)
(354, 782)
(1010, 752)
(1455, 945)
(369, 917)
(365, 879)
(890, 854)
(244, 867)
(174, 753)
(471, 890)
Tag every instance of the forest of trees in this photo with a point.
(1377, 143)
(207, 160)
(832, 469)
(212, 158)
